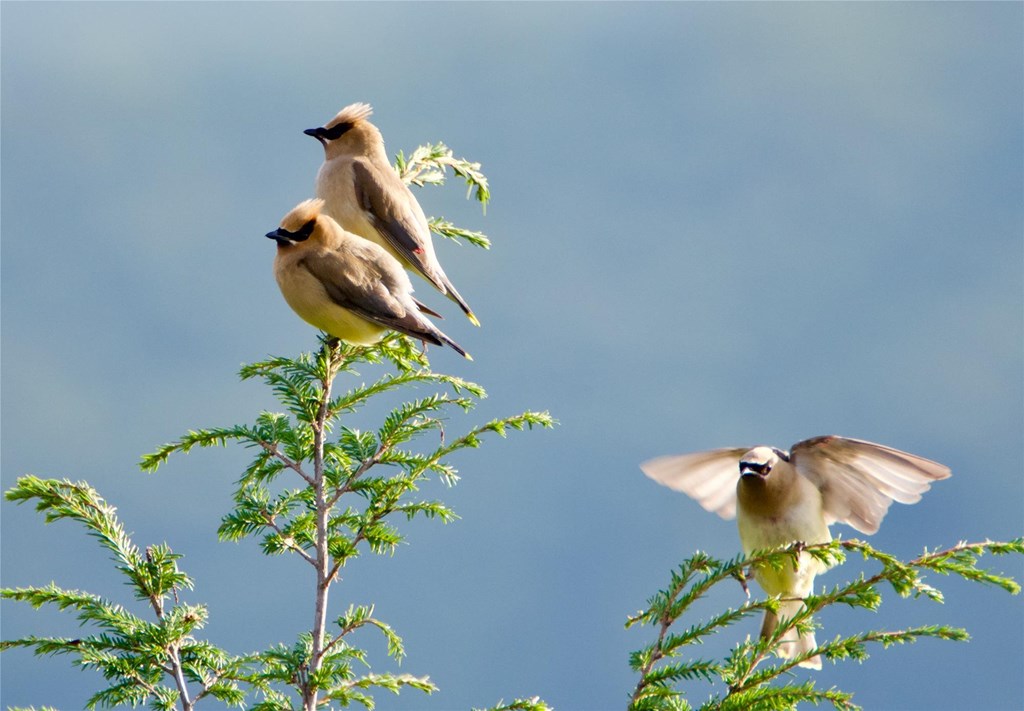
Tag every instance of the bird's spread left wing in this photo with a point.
(859, 480)
(707, 477)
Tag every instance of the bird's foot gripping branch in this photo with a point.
(746, 679)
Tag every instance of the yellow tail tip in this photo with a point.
(468, 356)
(472, 319)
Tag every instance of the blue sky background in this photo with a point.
(713, 224)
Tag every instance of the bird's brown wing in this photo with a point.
(392, 210)
(859, 480)
(363, 292)
(707, 477)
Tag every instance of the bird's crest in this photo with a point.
(760, 455)
(302, 213)
(351, 114)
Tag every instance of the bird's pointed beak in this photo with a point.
(279, 237)
(749, 472)
(318, 134)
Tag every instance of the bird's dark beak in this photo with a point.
(754, 471)
(318, 134)
(278, 236)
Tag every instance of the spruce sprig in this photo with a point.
(350, 485)
(156, 661)
(316, 487)
(662, 668)
(428, 165)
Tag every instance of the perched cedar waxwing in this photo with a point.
(345, 285)
(365, 195)
(780, 498)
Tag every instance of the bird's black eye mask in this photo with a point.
(329, 134)
(283, 236)
(760, 468)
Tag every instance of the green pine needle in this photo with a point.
(748, 678)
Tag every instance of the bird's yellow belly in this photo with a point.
(308, 299)
(801, 524)
(796, 581)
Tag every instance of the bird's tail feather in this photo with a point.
(792, 644)
(455, 346)
(418, 326)
(426, 309)
(454, 295)
(431, 333)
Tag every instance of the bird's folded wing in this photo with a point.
(354, 287)
(364, 291)
(707, 477)
(390, 207)
(859, 480)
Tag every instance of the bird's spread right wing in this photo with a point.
(859, 480)
(707, 477)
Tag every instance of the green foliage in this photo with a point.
(316, 487)
(662, 665)
(531, 704)
(428, 165)
(443, 227)
(342, 506)
(286, 444)
(279, 665)
(143, 661)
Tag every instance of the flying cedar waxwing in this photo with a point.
(345, 285)
(780, 498)
(366, 197)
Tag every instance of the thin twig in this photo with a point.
(291, 544)
(291, 464)
(208, 684)
(363, 468)
(175, 670)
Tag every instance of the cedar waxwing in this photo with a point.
(345, 285)
(365, 195)
(780, 498)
